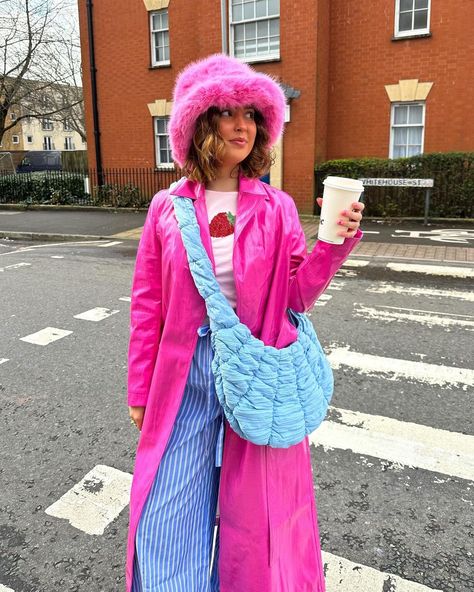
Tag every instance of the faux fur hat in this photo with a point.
(221, 81)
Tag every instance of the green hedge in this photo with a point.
(43, 188)
(451, 197)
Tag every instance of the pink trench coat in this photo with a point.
(269, 539)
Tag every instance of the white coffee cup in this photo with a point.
(339, 193)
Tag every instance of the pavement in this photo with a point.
(447, 242)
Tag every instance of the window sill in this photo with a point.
(165, 167)
(414, 36)
(158, 66)
(259, 60)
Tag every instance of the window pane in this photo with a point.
(421, 3)
(239, 32)
(164, 20)
(237, 13)
(398, 151)
(167, 53)
(421, 19)
(166, 38)
(401, 115)
(405, 21)
(273, 7)
(239, 48)
(275, 27)
(414, 135)
(250, 30)
(262, 46)
(261, 8)
(163, 156)
(160, 126)
(155, 21)
(400, 136)
(262, 29)
(163, 143)
(274, 44)
(406, 5)
(249, 10)
(413, 150)
(251, 48)
(415, 114)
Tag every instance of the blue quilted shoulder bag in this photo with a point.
(270, 396)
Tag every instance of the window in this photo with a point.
(46, 124)
(15, 139)
(412, 17)
(47, 143)
(162, 144)
(68, 143)
(29, 139)
(255, 29)
(160, 39)
(407, 129)
(67, 125)
(13, 116)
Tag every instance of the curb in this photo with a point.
(26, 207)
(44, 236)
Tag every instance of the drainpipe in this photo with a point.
(95, 111)
(225, 43)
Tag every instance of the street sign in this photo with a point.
(399, 182)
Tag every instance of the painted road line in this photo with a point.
(3, 360)
(371, 231)
(323, 299)
(355, 263)
(15, 266)
(342, 574)
(126, 299)
(95, 501)
(5, 589)
(3, 213)
(400, 442)
(442, 270)
(63, 244)
(336, 285)
(111, 244)
(57, 256)
(425, 317)
(390, 287)
(345, 273)
(96, 314)
(398, 369)
(46, 336)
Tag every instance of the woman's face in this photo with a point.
(237, 123)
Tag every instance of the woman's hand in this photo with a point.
(136, 415)
(349, 219)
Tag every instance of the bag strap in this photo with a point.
(220, 312)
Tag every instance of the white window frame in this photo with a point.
(411, 32)
(17, 140)
(258, 57)
(158, 163)
(51, 143)
(67, 125)
(393, 125)
(159, 33)
(46, 124)
(68, 143)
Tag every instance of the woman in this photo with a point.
(189, 463)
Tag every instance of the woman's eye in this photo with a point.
(225, 111)
(251, 114)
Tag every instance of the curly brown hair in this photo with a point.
(207, 148)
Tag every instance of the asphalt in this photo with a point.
(450, 241)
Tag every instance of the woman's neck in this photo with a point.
(224, 181)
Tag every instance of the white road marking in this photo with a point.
(15, 266)
(96, 314)
(63, 244)
(370, 231)
(126, 299)
(355, 263)
(386, 287)
(397, 369)
(95, 501)
(342, 574)
(345, 273)
(400, 442)
(57, 256)
(111, 244)
(336, 285)
(5, 589)
(46, 336)
(425, 317)
(443, 270)
(323, 299)
(3, 360)
(3, 213)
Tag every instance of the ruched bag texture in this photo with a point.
(270, 396)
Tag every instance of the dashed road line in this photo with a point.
(390, 287)
(125, 299)
(399, 369)
(356, 263)
(15, 266)
(323, 300)
(404, 443)
(46, 336)
(96, 314)
(95, 501)
(111, 244)
(5, 589)
(424, 317)
(3, 360)
(438, 270)
(342, 574)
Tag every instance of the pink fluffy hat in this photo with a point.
(221, 81)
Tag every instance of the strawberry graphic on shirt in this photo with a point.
(222, 224)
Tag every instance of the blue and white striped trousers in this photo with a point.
(175, 534)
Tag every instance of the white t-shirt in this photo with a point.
(221, 211)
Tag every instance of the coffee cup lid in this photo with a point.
(344, 183)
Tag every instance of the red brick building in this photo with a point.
(386, 78)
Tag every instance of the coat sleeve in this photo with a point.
(145, 312)
(310, 274)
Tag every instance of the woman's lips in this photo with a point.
(239, 142)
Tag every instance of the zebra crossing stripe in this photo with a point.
(400, 442)
(398, 369)
(386, 287)
(126, 299)
(342, 574)
(355, 263)
(95, 501)
(424, 317)
(336, 285)
(443, 270)
(46, 336)
(3, 360)
(5, 589)
(96, 314)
